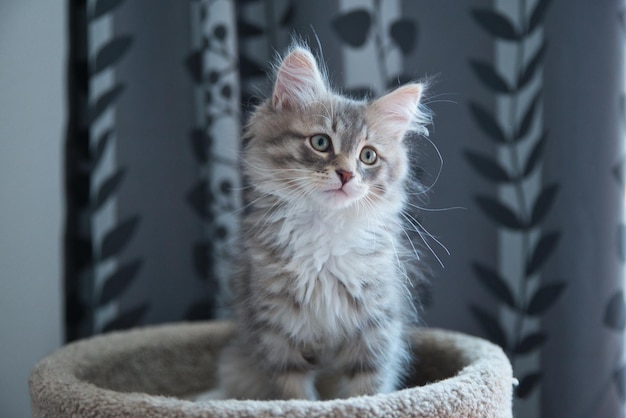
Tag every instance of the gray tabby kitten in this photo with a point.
(322, 297)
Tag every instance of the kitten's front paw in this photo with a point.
(362, 384)
(295, 386)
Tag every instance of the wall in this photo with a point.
(32, 112)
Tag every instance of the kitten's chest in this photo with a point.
(335, 269)
(322, 249)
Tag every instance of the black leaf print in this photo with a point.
(542, 250)
(111, 53)
(535, 155)
(490, 325)
(500, 213)
(220, 32)
(530, 343)
(221, 232)
(530, 69)
(538, 14)
(226, 187)
(490, 77)
(487, 167)
(200, 200)
(615, 312)
(529, 116)
(226, 91)
(289, 14)
(193, 63)
(353, 27)
(495, 284)
(543, 204)
(404, 34)
(104, 101)
(201, 143)
(116, 239)
(496, 24)
(102, 144)
(108, 187)
(488, 124)
(118, 282)
(544, 298)
(527, 384)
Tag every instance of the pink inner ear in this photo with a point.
(400, 105)
(398, 111)
(298, 81)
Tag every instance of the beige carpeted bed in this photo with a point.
(150, 372)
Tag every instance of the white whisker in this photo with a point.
(440, 170)
(425, 209)
(421, 234)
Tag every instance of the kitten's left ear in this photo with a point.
(398, 112)
(298, 81)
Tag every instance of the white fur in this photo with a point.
(323, 259)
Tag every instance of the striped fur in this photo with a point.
(321, 297)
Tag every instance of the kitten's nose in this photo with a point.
(345, 176)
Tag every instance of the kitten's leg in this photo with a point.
(292, 376)
(268, 368)
(239, 377)
(294, 385)
(373, 361)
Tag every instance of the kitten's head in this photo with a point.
(309, 145)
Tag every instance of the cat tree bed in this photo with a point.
(153, 372)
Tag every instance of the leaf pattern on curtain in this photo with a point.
(110, 280)
(215, 197)
(528, 294)
(357, 26)
(263, 29)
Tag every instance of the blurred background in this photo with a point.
(120, 124)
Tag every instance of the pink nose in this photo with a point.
(344, 175)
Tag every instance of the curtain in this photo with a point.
(526, 240)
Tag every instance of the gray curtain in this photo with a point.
(525, 160)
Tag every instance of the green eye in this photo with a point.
(320, 142)
(368, 155)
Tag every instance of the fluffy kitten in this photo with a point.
(322, 299)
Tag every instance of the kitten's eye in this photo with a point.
(320, 142)
(368, 155)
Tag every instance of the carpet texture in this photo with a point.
(150, 372)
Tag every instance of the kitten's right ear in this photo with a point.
(298, 81)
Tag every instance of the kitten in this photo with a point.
(321, 299)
